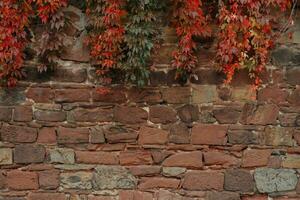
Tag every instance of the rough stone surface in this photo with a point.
(62, 155)
(189, 160)
(275, 180)
(29, 153)
(238, 180)
(77, 180)
(106, 177)
(6, 156)
(148, 135)
(209, 134)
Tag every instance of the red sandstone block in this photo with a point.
(5, 114)
(145, 170)
(130, 115)
(72, 135)
(40, 95)
(49, 179)
(162, 114)
(186, 159)
(256, 157)
(209, 134)
(50, 115)
(135, 195)
(92, 115)
(72, 95)
(47, 136)
(18, 134)
(271, 94)
(148, 135)
(219, 158)
(47, 196)
(176, 95)
(19, 180)
(255, 198)
(114, 95)
(203, 181)
(100, 198)
(135, 158)
(106, 158)
(158, 182)
(23, 114)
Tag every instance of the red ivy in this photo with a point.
(246, 35)
(106, 44)
(189, 21)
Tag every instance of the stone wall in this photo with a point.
(61, 140)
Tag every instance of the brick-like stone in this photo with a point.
(272, 95)
(62, 155)
(275, 180)
(6, 156)
(292, 76)
(227, 115)
(219, 158)
(91, 115)
(145, 170)
(72, 95)
(188, 113)
(158, 182)
(203, 181)
(173, 171)
(256, 157)
(105, 158)
(278, 136)
(186, 159)
(108, 177)
(47, 135)
(204, 94)
(149, 135)
(5, 114)
(49, 179)
(130, 115)
(135, 195)
(294, 97)
(288, 119)
(29, 153)
(47, 196)
(243, 94)
(176, 95)
(67, 74)
(114, 95)
(119, 134)
(2, 180)
(162, 114)
(135, 158)
(40, 95)
(145, 95)
(50, 116)
(209, 134)
(18, 134)
(259, 115)
(291, 161)
(179, 134)
(76, 180)
(23, 114)
(97, 135)
(243, 137)
(18, 180)
(239, 180)
(72, 135)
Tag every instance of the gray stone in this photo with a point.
(173, 171)
(12, 96)
(275, 180)
(97, 135)
(61, 155)
(77, 180)
(113, 177)
(5, 156)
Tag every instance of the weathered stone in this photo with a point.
(256, 157)
(145, 95)
(149, 135)
(209, 134)
(173, 171)
(185, 159)
(5, 114)
(219, 158)
(130, 115)
(91, 115)
(47, 135)
(73, 167)
(176, 95)
(29, 153)
(135, 158)
(288, 119)
(162, 114)
(283, 56)
(275, 180)
(50, 116)
(196, 180)
(292, 76)
(76, 180)
(224, 196)
(6, 156)
(72, 95)
(179, 134)
(227, 115)
(47, 196)
(278, 136)
(108, 177)
(294, 97)
(114, 95)
(188, 113)
(49, 179)
(291, 161)
(243, 137)
(119, 134)
(273, 95)
(12, 96)
(40, 95)
(145, 170)
(243, 94)
(238, 180)
(260, 115)
(18, 134)
(19, 180)
(134, 195)
(97, 135)
(72, 135)
(62, 155)
(158, 183)
(204, 94)
(96, 157)
(23, 114)
(73, 73)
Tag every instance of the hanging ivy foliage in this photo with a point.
(141, 35)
